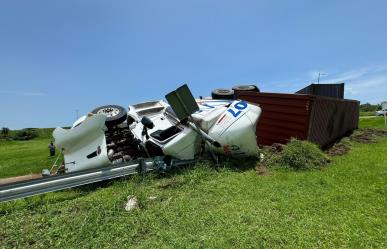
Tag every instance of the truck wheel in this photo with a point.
(222, 94)
(115, 114)
(251, 88)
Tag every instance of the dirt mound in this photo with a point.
(340, 148)
(365, 136)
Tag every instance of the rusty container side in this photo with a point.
(283, 115)
(331, 119)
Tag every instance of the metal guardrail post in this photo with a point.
(142, 169)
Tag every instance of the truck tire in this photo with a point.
(115, 114)
(222, 94)
(251, 88)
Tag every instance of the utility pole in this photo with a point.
(320, 74)
(76, 111)
(384, 107)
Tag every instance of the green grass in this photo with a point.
(342, 205)
(24, 157)
(367, 114)
(375, 122)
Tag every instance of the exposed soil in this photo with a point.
(171, 184)
(365, 136)
(74, 209)
(275, 147)
(19, 178)
(262, 170)
(338, 149)
(2, 237)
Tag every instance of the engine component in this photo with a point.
(122, 146)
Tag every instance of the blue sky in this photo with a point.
(57, 57)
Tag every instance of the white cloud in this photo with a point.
(347, 76)
(26, 94)
(364, 84)
(356, 74)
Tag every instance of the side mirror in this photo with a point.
(182, 102)
(147, 122)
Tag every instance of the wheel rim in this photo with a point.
(109, 111)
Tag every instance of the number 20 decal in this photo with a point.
(239, 107)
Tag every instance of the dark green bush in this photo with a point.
(25, 134)
(299, 155)
(367, 107)
(4, 133)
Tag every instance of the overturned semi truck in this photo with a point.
(179, 129)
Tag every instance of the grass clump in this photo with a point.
(299, 155)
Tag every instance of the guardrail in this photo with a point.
(47, 184)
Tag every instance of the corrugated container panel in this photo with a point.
(283, 116)
(327, 90)
(321, 120)
(332, 119)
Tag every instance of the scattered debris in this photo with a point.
(46, 172)
(132, 203)
(152, 198)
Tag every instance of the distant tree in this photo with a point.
(5, 132)
(367, 107)
(25, 134)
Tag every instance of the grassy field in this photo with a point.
(374, 122)
(367, 114)
(343, 205)
(24, 157)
